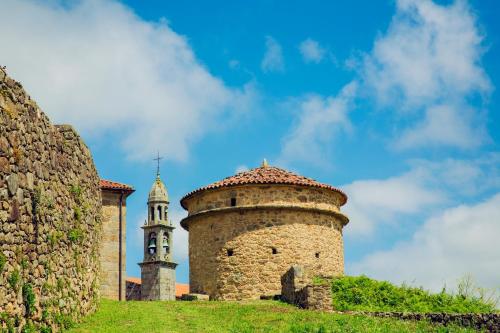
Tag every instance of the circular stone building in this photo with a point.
(247, 230)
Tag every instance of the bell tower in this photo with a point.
(158, 268)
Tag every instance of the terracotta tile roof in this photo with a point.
(180, 288)
(110, 185)
(265, 175)
(134, 280)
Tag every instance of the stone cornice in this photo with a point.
(184, 223)
(159, 262)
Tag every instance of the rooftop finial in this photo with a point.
(264, 163)
(157, 159)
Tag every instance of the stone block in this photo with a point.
(195, 297)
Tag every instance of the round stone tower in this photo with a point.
(247, 230)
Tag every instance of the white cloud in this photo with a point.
(459, 241)
(428, 185)
(375, 202)
(320, 119)
(464, 178)
(311, 51)
(446, 125)
(97, 65)
(273, 57)
(428, 63)
(426, 68)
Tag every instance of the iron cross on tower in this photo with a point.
(157, 159)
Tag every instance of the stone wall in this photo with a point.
(309, 197)
(297, 288)
(241, 252)
(50, 207)
(110, 245)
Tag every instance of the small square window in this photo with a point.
(317, 254)
(230, 252)
(233, 202)
(275, 250)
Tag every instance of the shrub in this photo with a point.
(365, 294)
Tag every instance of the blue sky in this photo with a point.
(394, 102)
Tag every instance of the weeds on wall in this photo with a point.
(3, 261)
(14, 279)
(29, 299)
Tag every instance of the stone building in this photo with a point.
(247, 230)
(112, 248)
(158, 268)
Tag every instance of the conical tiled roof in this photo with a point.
(266, 175)
(158, 191)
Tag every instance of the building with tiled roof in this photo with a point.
(112, 250)
(248, 229)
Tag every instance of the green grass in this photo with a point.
(237, 317)
(364, 294)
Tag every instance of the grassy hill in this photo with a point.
(360, 293)
(349, 293)
(237, 317)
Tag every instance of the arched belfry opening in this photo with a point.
(158, 268)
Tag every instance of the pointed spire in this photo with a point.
(264, 163)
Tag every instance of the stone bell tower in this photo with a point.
(158, 269)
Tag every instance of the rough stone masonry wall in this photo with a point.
(50, 207)
(265, 194)
(297, 288)
(301, 237)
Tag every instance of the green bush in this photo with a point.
(364, 294)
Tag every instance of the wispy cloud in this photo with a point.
(377, 202)
(427, 185)
(428, 66)
(424, 72)
(320, 120)
(99, 66)
(456, 242)
(311, 51)
(273, 57)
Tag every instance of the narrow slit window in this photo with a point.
(233, 202)
(230, 252)
(274, 250)
(159, 212)
(152, 213)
